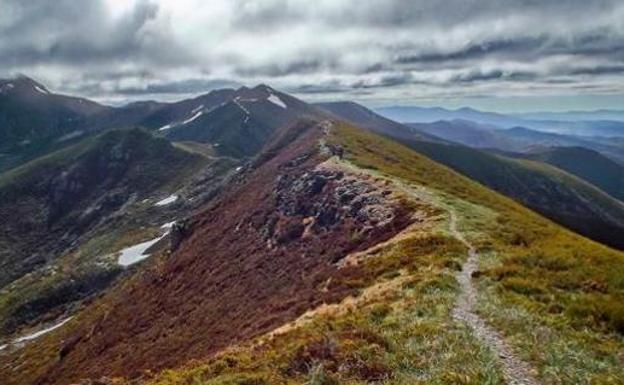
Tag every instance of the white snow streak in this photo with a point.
(277, 101)
(197, 115)
(43, 91)
(168, 200)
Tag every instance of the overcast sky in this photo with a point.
(493, 54)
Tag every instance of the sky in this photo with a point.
(501, 55)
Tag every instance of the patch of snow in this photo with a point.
(168, 225)
(2, 347)
(133, 254)
(277, 101)
(239, 168)
(197, 109)
(38, 334)
(168, 200)
(165, 127)
(6, 87)
(237, 100)
(197, 115)
(41, 90)
(71, 135)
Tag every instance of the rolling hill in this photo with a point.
(588, 165)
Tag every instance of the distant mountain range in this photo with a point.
(515, 139)
(596, 123)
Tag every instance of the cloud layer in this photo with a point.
(385, 50)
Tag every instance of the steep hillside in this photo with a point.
(262, 255)
(560, 196)
(365, 118)
(588, 165)
(68, 209)
(237, 123)
(33, 120)
(313, 268)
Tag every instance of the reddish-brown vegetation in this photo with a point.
(257, 258)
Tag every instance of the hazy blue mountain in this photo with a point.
(591, 127)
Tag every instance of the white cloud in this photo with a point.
(367, 50)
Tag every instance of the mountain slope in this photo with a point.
(560, 196)
(586, 164)
(365, 118)
(269, 261)
(33, 120)
(241, 124)
(471, 134)
(273, 257)
(65, 207)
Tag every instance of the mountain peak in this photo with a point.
(262, 87)
(22, 83)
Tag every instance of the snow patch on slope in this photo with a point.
(42, 90)
(168, 200)
(195, 116)
(6, 87)
(133, 254)
(277, 101)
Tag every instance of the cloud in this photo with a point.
(327, 48)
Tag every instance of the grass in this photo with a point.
(556, 295)
(398, 331)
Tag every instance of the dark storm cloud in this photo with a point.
(80, 32)
(390, 47)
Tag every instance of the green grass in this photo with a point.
(557, 295)
(399, 331)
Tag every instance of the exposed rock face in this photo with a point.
(178, 232)
(319, 200)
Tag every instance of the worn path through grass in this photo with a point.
(516, 371)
